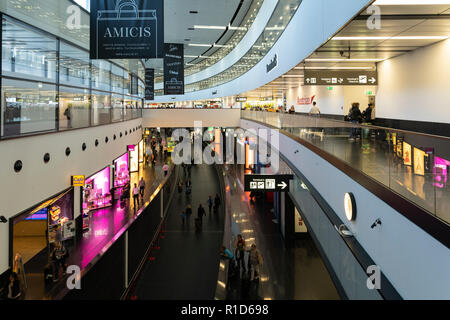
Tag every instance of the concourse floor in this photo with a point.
(187, 264)
(286, 274)
(104, 225)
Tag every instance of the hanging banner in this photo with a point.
(173, 68)
(149, 84)
(127, 29)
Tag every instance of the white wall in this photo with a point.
(416, 85)
(185, 118)
(415, 263)
(334, 102)
(38, 181)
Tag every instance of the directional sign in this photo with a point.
(341, 78)
(267, 183)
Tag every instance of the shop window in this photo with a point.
(27, 53)
(75, 66)
(101, 108)
(74, 108)
(27, 107)
(101, 75)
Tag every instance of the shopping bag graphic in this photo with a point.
(126, 32)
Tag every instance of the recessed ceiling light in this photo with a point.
(393, 38)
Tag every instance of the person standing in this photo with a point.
(135, 196)
(142, 188)
(292, 110)
(240, 252)
(355, 117)
(13, 288)
(210, 203)
(201, 212)
(256, 260)
(165, 168)
(315, 111)
(216, 203)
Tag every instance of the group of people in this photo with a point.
(356, 116)
(201, 212)
(254, 262)
(138, 193)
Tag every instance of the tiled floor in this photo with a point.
(186, 266)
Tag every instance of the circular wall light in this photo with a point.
(84, 146)
(68, 151)
(18, 166)
(46, 158)
(106, 140)
(96, 142)
(350, 206)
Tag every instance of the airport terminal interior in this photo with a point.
(238, 150)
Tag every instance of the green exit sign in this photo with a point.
(329, 88)
(369, 92)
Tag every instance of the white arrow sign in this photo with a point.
(372, 80)
(283, 185)
(307, 80)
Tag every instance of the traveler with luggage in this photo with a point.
(256, 260)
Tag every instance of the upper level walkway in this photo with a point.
(413, 165)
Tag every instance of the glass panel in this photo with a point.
(416, 166)
(101, 108)
(117, 80)
(117, 104)
(74, 108)
(74, 66)
(101, 75)
(27, 53)
(127, 83)
(27, 107)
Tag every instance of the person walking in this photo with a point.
(135, 196)
(165, 168)
(183, 217)
(188, 211)
(180, 186)
(59, 260)
(142, 188)
(201, 212)
(256, 260)
(188, 187)
(210, 203)
(216, 203)
(240, 252)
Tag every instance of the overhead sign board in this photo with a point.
(173, 68)
(267, 183)
(127, 29)
(149, 84)
(341, 78)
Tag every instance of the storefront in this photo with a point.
(96, 191)
(121, 174)
(133, 151)
(141, 151)
(34, 230)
